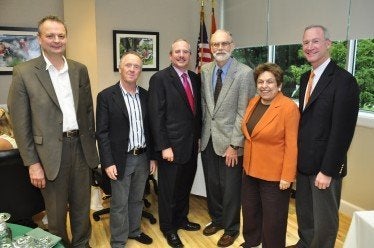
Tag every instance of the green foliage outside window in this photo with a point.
(291, 59)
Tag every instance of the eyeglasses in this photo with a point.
(223, 44)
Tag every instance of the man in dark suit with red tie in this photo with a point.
(175, 119)
(329, 104)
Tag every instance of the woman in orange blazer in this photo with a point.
(270, 127)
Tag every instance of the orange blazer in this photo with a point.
(270, 153)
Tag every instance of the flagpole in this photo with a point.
(201, 30)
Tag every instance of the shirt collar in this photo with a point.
(224, 68)
(180, 72)
(320, 69)
(49, 64)
(126, 92)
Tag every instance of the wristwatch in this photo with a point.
(234, 147)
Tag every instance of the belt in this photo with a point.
(71, 133)
(137, 151)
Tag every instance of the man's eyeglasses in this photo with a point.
(223, 44)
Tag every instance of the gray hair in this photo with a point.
(326, 33)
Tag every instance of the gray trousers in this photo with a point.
(70, 190)
(317, 212)
(126, 202)
(223, 186)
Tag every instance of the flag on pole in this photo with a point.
(203, 50)
(213, 27)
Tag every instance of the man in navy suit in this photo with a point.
(329, 104)
(175, 115)
(125, 149)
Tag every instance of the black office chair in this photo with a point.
(18, 196)
(102, 180)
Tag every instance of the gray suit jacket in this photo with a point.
(223, 121)
(37, 117)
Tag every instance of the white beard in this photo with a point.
(221, 57)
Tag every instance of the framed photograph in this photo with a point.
(17, 45)
(145, 43)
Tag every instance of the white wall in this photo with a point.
(171, 18)
(18, 13)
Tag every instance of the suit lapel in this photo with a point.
(143, 104)
(322, 83)
(74, 83)
(269, 115)
(177, 83)
(195, 88)
(45, 79)
(209, 98)
(248, 114)
(118, 99)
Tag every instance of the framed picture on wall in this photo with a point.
(144, 43)
(17, 45)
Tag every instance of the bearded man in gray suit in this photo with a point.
(50, 104)
(227, 86)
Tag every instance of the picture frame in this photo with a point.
(17, 45)
(145, 43)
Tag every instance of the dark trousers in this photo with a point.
(317, 212)
(70, 190)
(126, 203)
(174, 187)
(223, 186)
(265, 213)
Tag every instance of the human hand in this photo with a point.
(37, 176)
(231, 156)
(168, 154)
(111, 171)
(322, 181)
(152, 166)
(284, 185)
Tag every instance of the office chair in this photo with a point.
(18, 196)
(102, 180)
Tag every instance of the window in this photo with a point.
(290, 58)
(251, 56)
(364, 72)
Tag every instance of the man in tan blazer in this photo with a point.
(50, 104)
(227, 86)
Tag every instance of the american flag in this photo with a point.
(203, 50)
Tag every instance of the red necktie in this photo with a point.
(188, 90)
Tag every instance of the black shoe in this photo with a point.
(174, 240)
(143, 238)
(190, 226)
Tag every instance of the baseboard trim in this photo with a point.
(348, 208)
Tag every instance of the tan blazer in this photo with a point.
(37, 117)
(222, 121)
(270, 153)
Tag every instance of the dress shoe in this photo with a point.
(190, 226)
(143, 238)
(211, 229)
(174, 240)
(227, 240)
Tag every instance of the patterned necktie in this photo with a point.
(188, 90)
(218, 88)
(309, 88)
